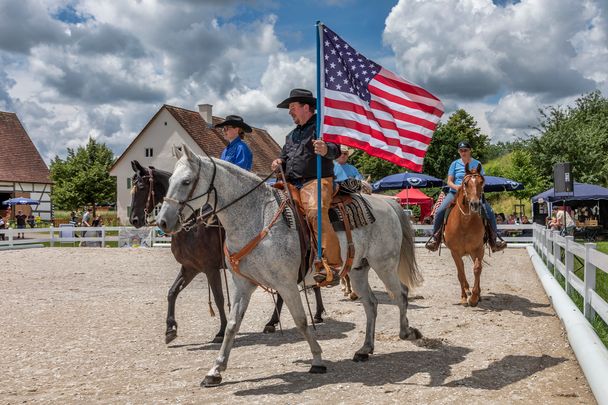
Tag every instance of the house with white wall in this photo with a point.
(175, 126)
(23, 172)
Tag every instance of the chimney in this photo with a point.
(205, 110)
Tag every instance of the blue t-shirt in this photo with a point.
(238, 153)
(345, 171)
(457, 170)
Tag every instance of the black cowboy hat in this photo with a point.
(464, 145)
(235, 121)
(300, 95)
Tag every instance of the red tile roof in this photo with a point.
(264, 148)
(19, 159)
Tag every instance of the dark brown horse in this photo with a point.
(464, 232)
(198, 250)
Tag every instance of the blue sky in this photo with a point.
(72, 69)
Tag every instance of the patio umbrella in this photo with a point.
(494, 184)
(21, 201)
(406, 180)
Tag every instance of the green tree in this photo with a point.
(442, 149)
(83, 178)
(576, 134)
(374, 167)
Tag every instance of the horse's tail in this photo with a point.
(409, 274)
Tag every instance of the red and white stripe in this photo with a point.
(396, 125)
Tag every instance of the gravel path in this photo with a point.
(86, 325)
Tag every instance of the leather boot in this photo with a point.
(321, 273)
(434, 242)
(496, 243)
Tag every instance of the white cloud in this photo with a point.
(534, 51)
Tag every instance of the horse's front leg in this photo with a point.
(462, 278)
(477, 265)
(242, 296)
(359, 280)
(291, 295)
(214, 278)
(183, 279)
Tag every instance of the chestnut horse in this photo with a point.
(464, 232)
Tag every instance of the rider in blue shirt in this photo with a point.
(343, 170)
(456, 173)
(237, 151)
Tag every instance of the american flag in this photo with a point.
(370, 108)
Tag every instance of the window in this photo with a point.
(128, 183)
(149, 152)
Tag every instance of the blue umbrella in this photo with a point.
(494, 184)
(406, 180)
(20, 201)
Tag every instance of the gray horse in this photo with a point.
(245, 207)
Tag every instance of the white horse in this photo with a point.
(387, 245)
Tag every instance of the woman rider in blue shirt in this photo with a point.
(237, 151)
(455, 175)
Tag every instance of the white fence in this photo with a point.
(512, 234)
(551, 247)
(85, 236)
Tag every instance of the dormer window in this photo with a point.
(149, 152)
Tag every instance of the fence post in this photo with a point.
(51, 235)
(568, 262)
(103, 236)
(549, 247)
(10, 236)
(556, 254)
(589, 312)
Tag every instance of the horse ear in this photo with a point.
(188, 152)
(177, 151)
(466, 168)
(479, 169)
(138, 168)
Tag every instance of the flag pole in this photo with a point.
(319, 199)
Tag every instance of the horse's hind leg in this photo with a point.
(320, 308)
(270, 327)
(399, 292)
(360, 282)
(214, 278)
(242, 296)
(184, 278)
(476, 293)
(462, 278)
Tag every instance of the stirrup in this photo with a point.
(434, 242)
(324, 275)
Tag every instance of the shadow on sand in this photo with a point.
(498, 302)
(328, 330)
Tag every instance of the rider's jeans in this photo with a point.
(440, 213)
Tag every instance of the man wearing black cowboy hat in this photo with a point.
(299, 161)
(237, 151)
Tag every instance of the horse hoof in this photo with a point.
(472, 303)
(170, 336)
(361, 357)
(218, 338)
(317, 370)
(269, 329)
(211, 381)
(318, 319)
(353, 296)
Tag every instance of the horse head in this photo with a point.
(186, 184)
(149, 186)
(472, 188)
(139, 194)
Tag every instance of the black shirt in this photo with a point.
(299, 157)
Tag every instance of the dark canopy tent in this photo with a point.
(584, 195)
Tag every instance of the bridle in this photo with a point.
(187, 224)
(465, 199)
(151, 198)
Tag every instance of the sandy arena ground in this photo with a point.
(86, 325)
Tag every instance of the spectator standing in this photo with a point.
(21, 219)
(86, 222)
(2, 227)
